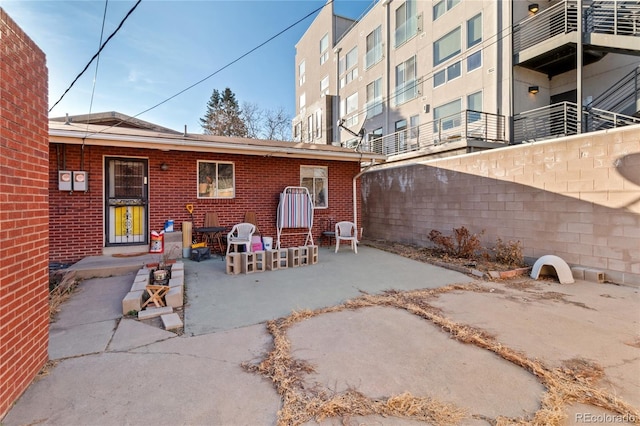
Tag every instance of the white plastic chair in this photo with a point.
(240, 234)
(347, 231)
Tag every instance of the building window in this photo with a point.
(301, 73)
(474, 103)
(406, 22)
(216, 179)
(375, 140)
(310, 128)
(401, 135)
(349, 64)
(451, 72)
(324, 49)
(324, 86)
(374, 98)
(474, 61)
(303, 100)
(316, 180)
(474, 30)
(414, 123)
(447, 116)
(374, 48)
(441, 7)
(317, 133)
(297, 132)
(406, 84)
(446, 47)
(349, 105)
(440, 78)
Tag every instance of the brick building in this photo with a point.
(109, 186)
(24, 221)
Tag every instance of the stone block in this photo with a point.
(578, 272)
(248, 262)
(303, 255)
(139, 285)
(233, 263)
(259, 260)
(283, 259)
(313, 254)
(272, 261)
(141, 278)
(594, 275)
(176, 282)
(294, 256)
(154, 312)
(171, 321)
(177, 274)
(174, 297)
(132, 302)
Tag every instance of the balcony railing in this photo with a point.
(560, 18)
(618, 17)
(561, 119)
(465, 125)
(373, 56)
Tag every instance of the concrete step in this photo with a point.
(171, 321)
(154, 312)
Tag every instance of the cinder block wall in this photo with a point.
(576, 197)
(77, 227)
(24, 223)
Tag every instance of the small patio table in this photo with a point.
(213, 235)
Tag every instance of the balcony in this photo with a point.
(464, 130)
(547, 41)
(561, 119)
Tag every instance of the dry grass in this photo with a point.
(63, 287)
(575, 381)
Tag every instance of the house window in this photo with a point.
(324, 49)
(474, 103)
(297, 132)
(301, 73)
(414, 123)
(451, 72)
(374, 98)
(441, 7)
(375, 140)
(474, 30)
(349, 64)
(316, 180)
(474, 61)
(349, 105)
(446, 47)
(447, 116)
(303, 100)
(406, 84)
(374, 48)
(310, 128)
(318, 124)
(216, 179)
(401, 135)
(406, 22)
(324, 86)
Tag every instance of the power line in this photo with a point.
(96, 54)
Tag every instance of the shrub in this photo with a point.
(509, 253)
(462, 244)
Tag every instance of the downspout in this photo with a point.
(579, 67)
(355, 192)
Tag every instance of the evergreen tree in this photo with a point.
(223, 116)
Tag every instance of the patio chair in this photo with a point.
(251, 217)
(240, 234)
(346, 231)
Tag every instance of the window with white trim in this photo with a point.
(447, 116)
(317, 133)
(316, 180)
(301, 73)
(216, 179)
(406, 22)
(310, 128)
(349, 67)
(374, 48)
(446, 47)
(302, 100)
(406, 83)
(324, 86)
(441, 7)
(474, 61)
(324, 49)
(474, 103)
(374, 98)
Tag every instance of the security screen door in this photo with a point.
(126, 201)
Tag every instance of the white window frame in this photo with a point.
(473, 117)
(317, 132)
(406, 81)
(374, 98)
(301, 73)
(316, 180)
(374, 48)
(324, 48)
(210, 180)
(453, 121)
(302, 100)
(324, 86)
(310, 128)
(471, 43)
(471, 56)
(442, 7)
(406, 21)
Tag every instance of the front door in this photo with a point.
(126, 201)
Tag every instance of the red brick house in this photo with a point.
(110, 172)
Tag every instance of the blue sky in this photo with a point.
(165, 47)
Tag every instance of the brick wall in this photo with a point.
(77, 228)
(576, 197)
(24, 225)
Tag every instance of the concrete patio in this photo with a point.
(111, 370)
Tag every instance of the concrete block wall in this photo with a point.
(576, 197)
(24, 223)
(77, 224)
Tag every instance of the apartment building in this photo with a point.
(450, 76)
